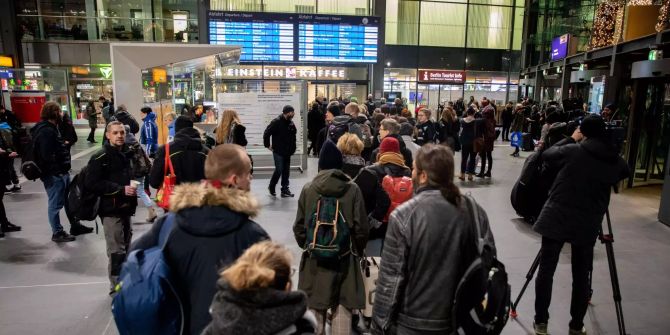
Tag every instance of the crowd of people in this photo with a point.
(385, 187)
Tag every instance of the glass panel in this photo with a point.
(489, 27)
(291, 6)
(237, 5)
(494, 2)
(348, 7)
(518, 28)
(443, 24)
(402, 22)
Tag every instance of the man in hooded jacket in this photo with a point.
(587, 167)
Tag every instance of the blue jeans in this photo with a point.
(56, 187)
(283, 169)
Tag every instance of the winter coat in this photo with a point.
(51, 153)
(109, 172)
(467, 131)
(338, 282)
(67, 132)
(4, 164)
(406, 153)
(581, 190)
(11, 119)
(213, 228)
(315, 122)
(486, 127)
(449, 134)
(377, 202)
(507, 116)
(127, 119)
(92, 116)
(426, 133)
(264, 311)
(187, 154)
(149, 133)
(108, 113)
(236, 135)
(321, 138)
(428, 247)
(518, 121)
(281, 135)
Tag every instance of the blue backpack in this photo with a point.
(147, 301)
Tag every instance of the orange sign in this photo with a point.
(6, 61)
(159, 75)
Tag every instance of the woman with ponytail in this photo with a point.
(431, 234)
(255, 296)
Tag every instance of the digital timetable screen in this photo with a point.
(276, 37)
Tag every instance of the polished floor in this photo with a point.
(48, 288)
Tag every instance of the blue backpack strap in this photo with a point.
(166, 229)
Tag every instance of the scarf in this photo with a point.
(391, 158)
(354, 160)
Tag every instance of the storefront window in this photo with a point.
(443, 24)
(402, 22)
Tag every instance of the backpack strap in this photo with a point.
(166, 230)
(475, 224)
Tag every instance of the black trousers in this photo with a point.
(582, 263)
(3, 213)
(486, 155)
(282, 169)
(505, 131)
(12, 172)
(91, 135)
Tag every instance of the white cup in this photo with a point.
(134, 183)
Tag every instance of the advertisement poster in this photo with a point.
(257, 110)
(27, 105)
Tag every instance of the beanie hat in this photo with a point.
(389, 144)
(182, 122)
(287, 109)
(593, 126)
(330, 157)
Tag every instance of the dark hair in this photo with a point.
(50, 111)
(385, 109)
(437, 161)
(146, 110)
(471, 111)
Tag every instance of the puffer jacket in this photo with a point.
(581, 190)
(109, 172)
(428, 247)
(213, 227)
(265, 311)
(187, 154)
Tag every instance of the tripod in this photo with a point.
(607, 240)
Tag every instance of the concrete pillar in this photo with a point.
(377, 69)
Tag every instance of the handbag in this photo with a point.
(478, 144)
(169, 182)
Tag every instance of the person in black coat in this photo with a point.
(315, 122)
(391, 128)
(332, 111)
(585, 173)
(213, 227)
(426, 131)
(280, 138)
(124, 117)
(507, 118)
(187, 154)
(6, 155)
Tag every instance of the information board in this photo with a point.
(257, 110)
(278, 37)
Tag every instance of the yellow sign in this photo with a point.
(159, 75)
(6, 61)
(80, 70)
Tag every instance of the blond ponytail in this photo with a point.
(264, 264)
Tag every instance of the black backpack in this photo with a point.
(482, 300)
(82, 203)
(29, 160)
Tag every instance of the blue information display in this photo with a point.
(275, 37)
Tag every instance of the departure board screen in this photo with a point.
(313, 38)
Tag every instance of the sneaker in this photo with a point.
(272, 191)
(287, 194)
(577, 332)
(488, 174)
(61, 237)
(2, 234)
(80, 229)
(540, 328)
(9, 227)
(15, 188)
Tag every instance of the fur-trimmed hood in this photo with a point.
(189, 195)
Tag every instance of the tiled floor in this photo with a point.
(47, 288)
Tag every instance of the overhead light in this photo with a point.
(388, 63)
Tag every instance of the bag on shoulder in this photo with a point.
(366, 134)
(399, 189)
(141, 162)
(82, 203)
(147, 301)
(482, 299)
(29, 161)
(337, 129)
(328, 234)
(169, 181)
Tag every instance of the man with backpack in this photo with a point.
(52, 158)
(331, 227)
(109, 175)
(212, 227)
(430, 235)
(280, 138)
(351, 122)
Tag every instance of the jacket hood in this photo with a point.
(222, 209)
(151, 117)
(191, 137)
(262, 311)
(600, 150)
(332, 183)
(42, 124)
(361, 119)
(403, 146)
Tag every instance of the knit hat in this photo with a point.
(287, 109)
(593, 126)
(182, 122)
(389, 144)
(330, 157)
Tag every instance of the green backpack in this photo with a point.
(328, 235)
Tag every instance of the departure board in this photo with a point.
(310, 38)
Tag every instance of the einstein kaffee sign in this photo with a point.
(441, 76)
(288, 72)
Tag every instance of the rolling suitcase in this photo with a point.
(370, 267)
(527, 143)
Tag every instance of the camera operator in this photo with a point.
(587, 166)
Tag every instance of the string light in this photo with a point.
(609, 15)
(663, 17)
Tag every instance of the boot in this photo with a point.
(151, 217)
(462, 176)
(8, 227)
(79, 229)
